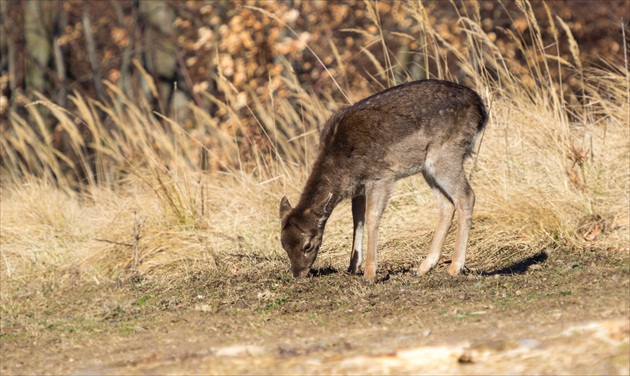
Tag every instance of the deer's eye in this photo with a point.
(308, 245)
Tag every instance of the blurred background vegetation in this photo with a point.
(175, 53)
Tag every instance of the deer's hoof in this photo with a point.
(424, 268)
(454, 270)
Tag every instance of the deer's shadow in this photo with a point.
(324, 271)
(519, 267)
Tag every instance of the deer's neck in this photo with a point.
(325, 183)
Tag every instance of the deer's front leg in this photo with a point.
(377, 195)
(358, 217)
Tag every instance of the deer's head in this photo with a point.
(302, 232)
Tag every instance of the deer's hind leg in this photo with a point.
(447, 176)
(464, 202)
(447, 209)
(358, 218)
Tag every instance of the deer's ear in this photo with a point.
(285, 206)
(329, 206)
(324, 209)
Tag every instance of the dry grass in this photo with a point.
(551, 172)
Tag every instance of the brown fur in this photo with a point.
(425, 126)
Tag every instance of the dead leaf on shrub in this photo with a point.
(591, 226)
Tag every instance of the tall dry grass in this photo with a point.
(137, 196)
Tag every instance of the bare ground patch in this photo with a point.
(557, 311)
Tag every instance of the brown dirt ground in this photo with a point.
(555, 312)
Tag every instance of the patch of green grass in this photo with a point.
(143, 299)
(273, 305)
(6, 336)
(461, 316)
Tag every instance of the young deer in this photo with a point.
(425, 126)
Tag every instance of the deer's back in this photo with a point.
(394, 130)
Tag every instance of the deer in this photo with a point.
(427, 126)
